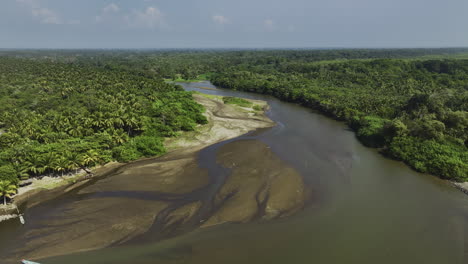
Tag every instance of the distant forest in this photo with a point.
(63, 110)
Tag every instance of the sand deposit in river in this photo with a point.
(261, 185)
(155, 198)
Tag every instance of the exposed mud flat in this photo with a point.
(261, 185)
(225, 121)
(166, 195)
(115, 209)
(155, 198)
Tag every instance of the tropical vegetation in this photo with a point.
(7, 190)
(414, 110)
(58, 116)
(66, 110)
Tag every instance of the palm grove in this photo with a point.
(61, 111)
(60, 117)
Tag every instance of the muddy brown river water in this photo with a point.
(360, 207)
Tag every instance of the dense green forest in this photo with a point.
(416, 111)
(410, 103)
(69, 109)
(58, 117)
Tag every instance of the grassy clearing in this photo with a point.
(237, 101)
(209, 96)
(179, 78)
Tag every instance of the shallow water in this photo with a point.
(363, 208)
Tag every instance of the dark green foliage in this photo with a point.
(126, 153)
(430, 156)
(141, 146)
(415, 101)
(427, 128)
(412, 103)
(8, 173)
(149, 146)
(178, 111)
(60, 116)
(370, 131)
(394, 128)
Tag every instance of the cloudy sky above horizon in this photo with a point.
(232, 24)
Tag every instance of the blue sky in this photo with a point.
(231, 24)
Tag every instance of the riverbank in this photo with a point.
(462, 186)
(168, 195)
(225, 121)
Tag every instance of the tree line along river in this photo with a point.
(363, 208)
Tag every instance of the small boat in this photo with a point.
(28, 262)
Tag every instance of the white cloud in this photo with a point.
(150, 18)
(108, 13)
(44, 15)
(111, 8)
(220, 20)
(269, 24)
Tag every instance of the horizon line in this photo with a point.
(239, 48)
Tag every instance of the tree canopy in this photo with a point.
(59, 116)
(64, 110)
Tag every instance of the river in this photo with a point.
(363, 208)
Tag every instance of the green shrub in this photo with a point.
(8, 173)
(428, 129)
(257, 108)
(141, 146)
(370, 131)
(394, 128)
(126, 153)
(149, 146)
(445, 160)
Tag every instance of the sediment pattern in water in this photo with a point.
(154, 199)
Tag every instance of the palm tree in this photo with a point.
(7, 190)
(21, 170)
(76, 160)
(91, 157)
(74, 131)
(131, 123)
(34, 163)
(47, 161)
(61, 165)
(119, 136)
(118, 121)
